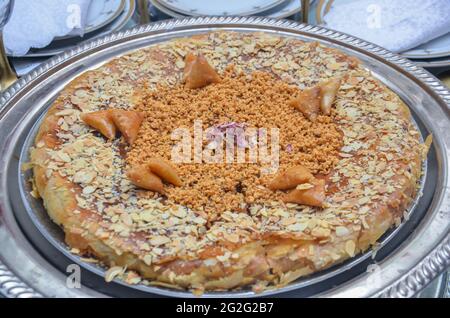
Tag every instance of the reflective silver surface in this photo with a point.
(411, 265)
(436, 289)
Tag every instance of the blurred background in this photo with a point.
(418, 29)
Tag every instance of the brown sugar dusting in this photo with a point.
(258, 100)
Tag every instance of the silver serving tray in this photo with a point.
(33, 257)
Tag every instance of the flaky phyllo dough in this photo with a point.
(350, 159)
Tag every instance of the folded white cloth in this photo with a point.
(396, 25)
(34, 24)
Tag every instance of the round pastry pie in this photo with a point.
(226, 160)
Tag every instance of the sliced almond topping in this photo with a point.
(328, 92)
(320, 232)
(308, 102)
(143, 178)
(164, 170)
(198, 73)
(159, 240)
(84, 176)
(148, 259)
(89, 190)
(312, 197)
(102, 122)
(180, 212)
(342, 231)
(350, 248)
(291, 178)
(304, 186)
(128, 122)
(113, 272)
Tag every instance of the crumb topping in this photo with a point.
(256, 100)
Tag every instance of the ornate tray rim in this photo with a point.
(408, 283)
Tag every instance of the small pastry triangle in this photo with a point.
(328, 92)
(308, 102)
(143, 178)
(314, 196)
(164, 170)
(291, 178)
(128, 123)
(102, 122)
(320, 98)
(198, 73)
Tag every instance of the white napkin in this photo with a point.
(397, 25)
(34, 24)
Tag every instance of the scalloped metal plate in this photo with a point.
(407, 284)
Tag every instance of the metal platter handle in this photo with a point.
(144, 16)
(7, 75)
(305, 10)
(323, 7)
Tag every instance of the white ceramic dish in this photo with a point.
(283, 10)
(59, 46)
(100, 14)
(224, 8)
(437, 48)
(166, 11)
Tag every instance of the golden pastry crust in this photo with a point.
(80, 177)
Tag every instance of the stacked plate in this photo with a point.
(269, 8)
(104, 16)
(434, 54)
